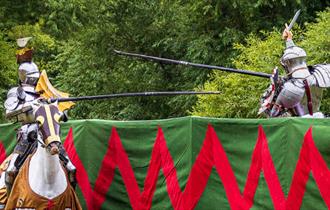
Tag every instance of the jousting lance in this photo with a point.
(204, 66)
(136, 94)
(196, 65)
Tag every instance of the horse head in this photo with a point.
(48, 116)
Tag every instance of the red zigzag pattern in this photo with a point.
(212, 154)
(3, 154)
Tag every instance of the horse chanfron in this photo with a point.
(49, 117)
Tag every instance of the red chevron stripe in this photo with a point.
(3, 154)
(105, 176)
(82, 176)
(116, 157)
(309, 160)
(211, 155)
(262, 161)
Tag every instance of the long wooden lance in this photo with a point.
(196, 65)
(136, 94)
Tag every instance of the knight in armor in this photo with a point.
(21, 103)
(302, 82)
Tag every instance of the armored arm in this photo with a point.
(19, 104)
(320, 75)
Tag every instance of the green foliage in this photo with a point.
(8, 68)
(74, 42)
(96, 70)
(59, 18)
(240, 94)
(65, 16)
(317, 42)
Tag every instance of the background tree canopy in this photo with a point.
(74, 42)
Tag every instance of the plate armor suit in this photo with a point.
(21, 103)
(301, 92)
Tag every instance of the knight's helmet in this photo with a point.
(28, 73)
(294, 58)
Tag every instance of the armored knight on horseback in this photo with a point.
(300, 92)
(21, 104)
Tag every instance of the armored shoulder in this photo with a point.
(321, 73)
(13, 98)
(18, 103)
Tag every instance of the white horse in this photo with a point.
(42, 182)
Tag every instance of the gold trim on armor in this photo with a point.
(51, 139)
(50, 121)
(40, 120)
(22, 51)
(57, 117)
